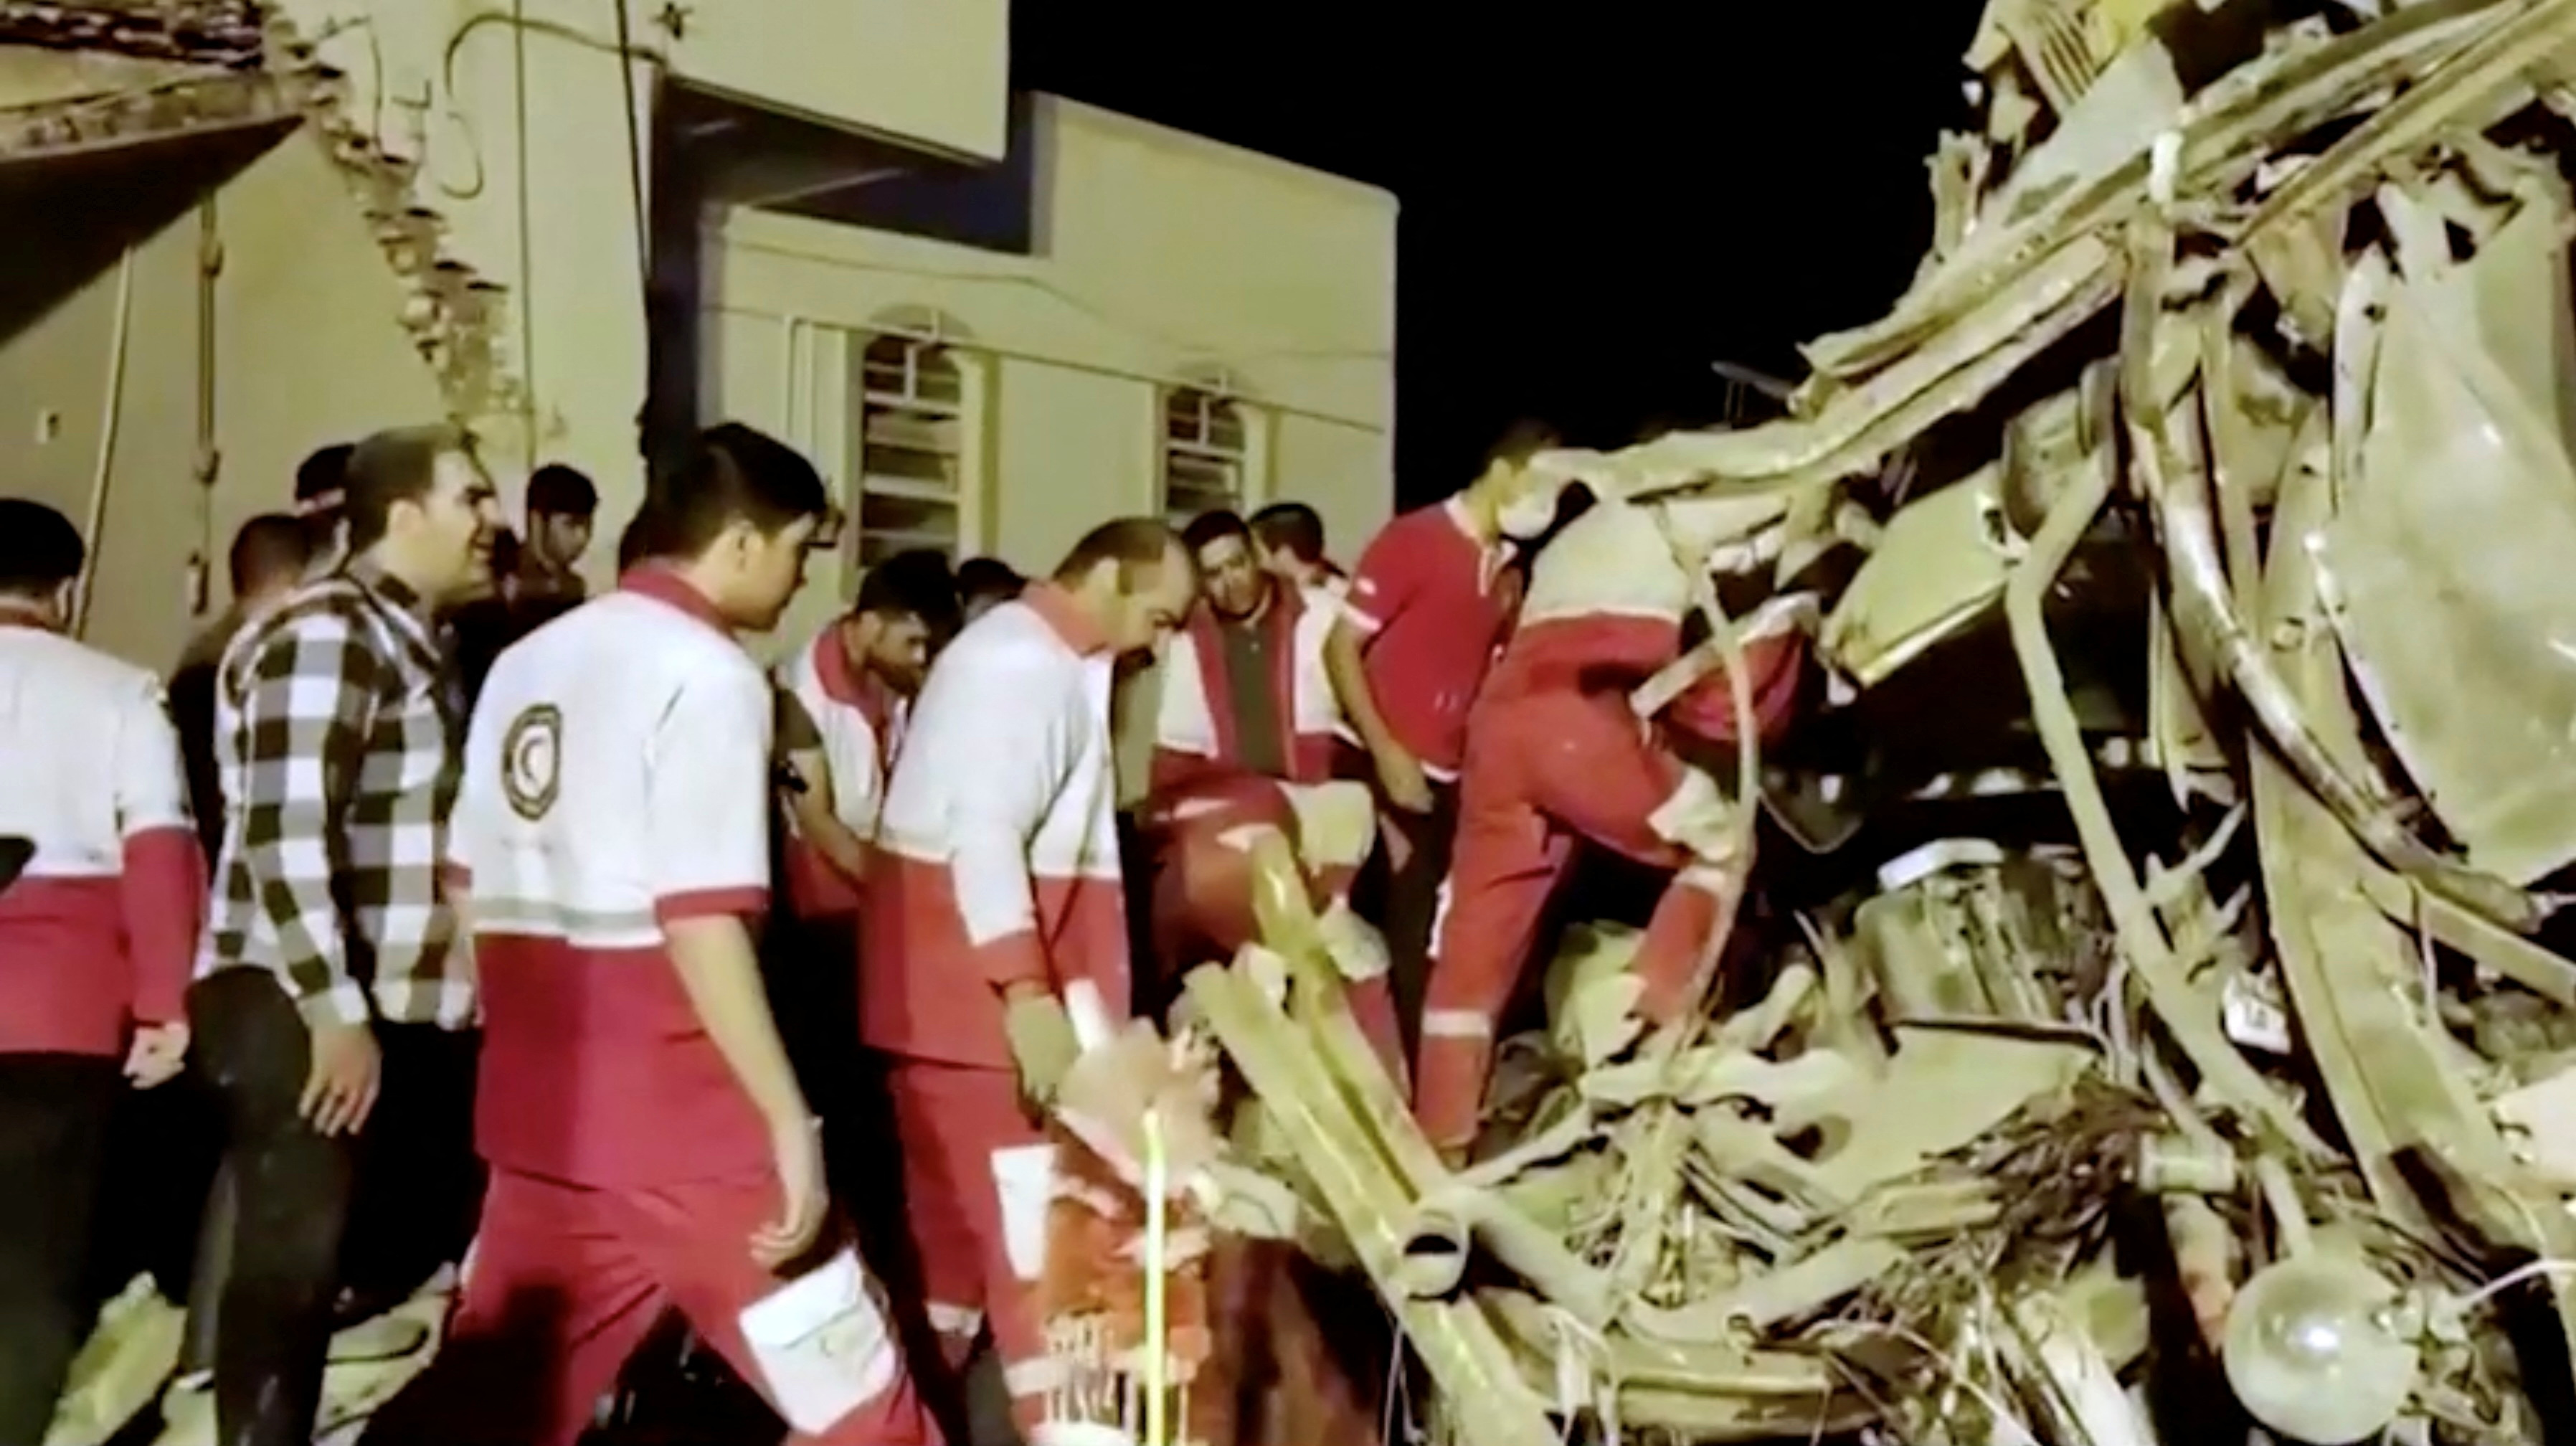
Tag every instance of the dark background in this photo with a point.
(1596, 204)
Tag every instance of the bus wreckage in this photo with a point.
(2143, 1022)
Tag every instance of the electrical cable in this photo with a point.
(634, 155)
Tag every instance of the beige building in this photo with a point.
(230, 234)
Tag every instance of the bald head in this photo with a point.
(1133, 578)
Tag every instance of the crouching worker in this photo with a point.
(996, 919)
(648, 1142)
(1244, 738)
(98, 926)
(1557, 754)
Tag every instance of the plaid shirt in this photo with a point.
(335, 724)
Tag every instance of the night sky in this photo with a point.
(1595, 206)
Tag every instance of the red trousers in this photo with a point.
(1203, 882)
(949, 1122)
(1545, 768)
(567, 1280)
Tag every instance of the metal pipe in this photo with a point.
(2204, 610)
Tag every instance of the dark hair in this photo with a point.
(1214, 526)
(40, 550)
(394, 466)
(269, 548)
(1521, 441)
(915, 584)
(635, 544)
(730, 474)
(322, 479)
(1291, 527)
(988, 578)
(555, 490)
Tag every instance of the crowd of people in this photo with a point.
(448, 916)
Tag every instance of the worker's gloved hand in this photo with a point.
(1043, 1044)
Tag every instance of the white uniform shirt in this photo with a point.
(616, 781)
(102, 922)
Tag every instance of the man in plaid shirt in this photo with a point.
(334, 996)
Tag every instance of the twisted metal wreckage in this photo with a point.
(2251, 334)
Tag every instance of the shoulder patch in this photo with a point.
(532, 761)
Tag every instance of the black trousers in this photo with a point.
(54, 1113)
(1410, 905)
(314, 1217)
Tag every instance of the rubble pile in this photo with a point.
(2231, 416)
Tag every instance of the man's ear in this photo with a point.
(66, 598)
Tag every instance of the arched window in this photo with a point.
(913, 488)
(1207, 453)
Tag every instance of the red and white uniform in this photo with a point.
(1555, 755)
(995, 864)
(1194, 728)
(617, 780)
(1205, 792)
(100, 931)
(1431, 603)
(862, 722)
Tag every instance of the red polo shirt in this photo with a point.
(1432, 603)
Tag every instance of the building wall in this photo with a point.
(517, 113)
(935, 75)
(1160, 256)
(307, 348)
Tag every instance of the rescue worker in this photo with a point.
(267, 560)
(96, 936)
(1245, 734)
(333, 1013)
(843, 700)
(1556, 755)
(995, 922)
(649, 1144)
(1291, 535)
(1428, 607)
(842, 703)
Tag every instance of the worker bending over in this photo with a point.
(97, 932)
(995, 921)
(1245, 736)
(843, 703)
(1432, 599)
(1556, 755)
(649, 1145)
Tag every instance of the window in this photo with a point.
(1205, 456)
(911, 449)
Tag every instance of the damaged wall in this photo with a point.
(1160, 256)
(306, 348)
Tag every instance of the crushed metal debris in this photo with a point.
(2210, 1072)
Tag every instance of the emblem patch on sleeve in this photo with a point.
(532, 760)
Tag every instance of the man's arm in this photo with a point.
(706, 810)
(1351, 690)
(1382, 590)
(163, 879)
(308, 705)
(811, 801)
(1015, 752)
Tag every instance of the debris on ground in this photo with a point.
(2177, 1044)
